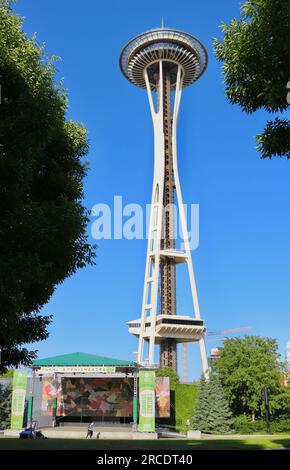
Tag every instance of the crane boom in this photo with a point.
(230, 331)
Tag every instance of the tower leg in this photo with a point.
(204, 361)
(161, 227)
(183, 218)
(152, 269)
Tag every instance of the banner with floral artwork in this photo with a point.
(88, 396)
(162, 397)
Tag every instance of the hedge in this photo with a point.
(182, 403)
(244, 425)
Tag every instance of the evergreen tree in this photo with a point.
(219, 416)
(5, 406)
(200, 419)
(212, 413)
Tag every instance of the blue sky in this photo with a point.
(243, 260)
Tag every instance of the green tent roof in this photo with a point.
(80, 359)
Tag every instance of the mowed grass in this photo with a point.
(272, 442)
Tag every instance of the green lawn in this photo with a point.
(272, 442)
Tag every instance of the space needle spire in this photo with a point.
(164, 61)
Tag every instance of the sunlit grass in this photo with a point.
(271, 442)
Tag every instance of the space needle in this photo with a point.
(164, 61)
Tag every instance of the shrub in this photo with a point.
(244, 425)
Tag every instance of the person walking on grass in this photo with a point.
(90, 430)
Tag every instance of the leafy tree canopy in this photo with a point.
(247, 365)
(42, 220)
(256, 55)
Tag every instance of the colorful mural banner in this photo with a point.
(51, 392)
(18, 399)
(162, 397)
(88, 396)
(147, 401)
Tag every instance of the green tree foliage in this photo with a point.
(212, 414)
(8, 374)
(220, 416)
(42, 220)
(280, 402)
(5, 406)
(200, 419)
(256, 55)
(168, 372)
(275, 140)
(247, 365)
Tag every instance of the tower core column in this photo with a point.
(168, 347)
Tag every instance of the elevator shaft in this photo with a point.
(168, 347)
